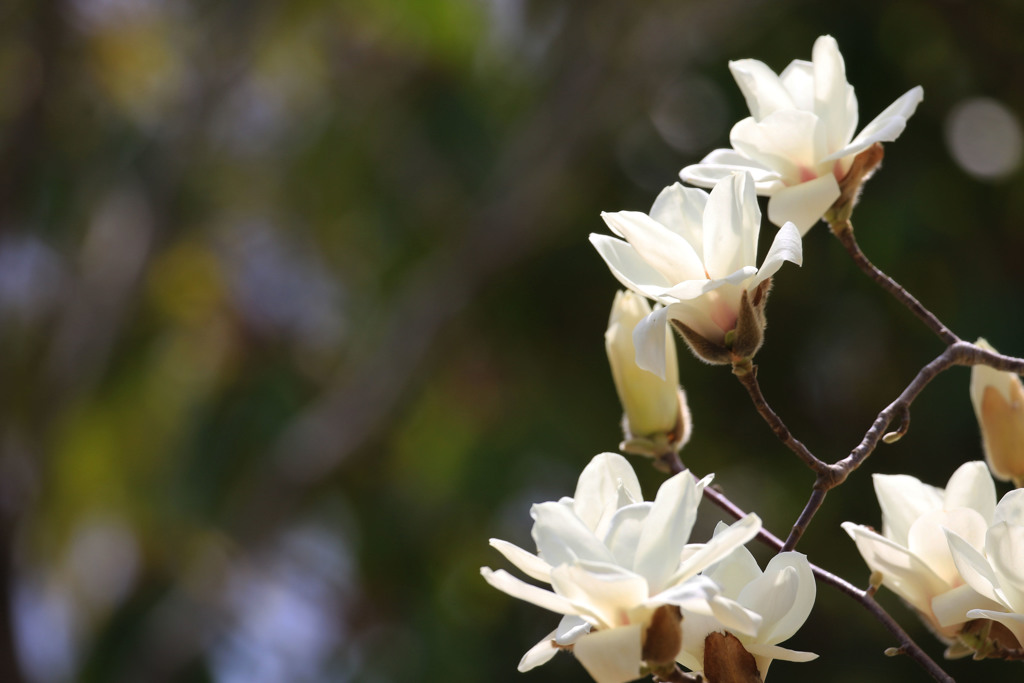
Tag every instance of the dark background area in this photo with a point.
(297, 309)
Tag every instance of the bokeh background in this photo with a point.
(297, 309)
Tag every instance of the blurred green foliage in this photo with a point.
(297, 310)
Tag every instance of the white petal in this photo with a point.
(518, 588)
(951, 607)
(693, 289)
(526, 562)
(718, 547)
(798, 79)
(597, 488)
(927, 540)
(612, 655)
(681, 210)
(570, 628)
(649, 340)
(1010, 509)
(562, 537)
(790, 141)
(886, 127)
(787, 246)
(664, 250)
(722, 163)
(1012, 621)
(783, 597)
(629, 268)
(902, 572)
(971, 486)
(776, 652)
(691, 596)
(732, 222)
(541, 653)
(761, 87)
(734, 571)
(695, 314)
(903, 499)
(603, 591)
(804, 204)
(667, 530)
(972, 567)
(831, 91)
(983, 376)
(735, 617)
(1005, 549)
(624, 532)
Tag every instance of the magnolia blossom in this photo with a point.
(912, 554)
(695, 254)
(614, 563)
(993, 567)
(798, 142)
(776, 602)
(998, 399)
(655, 409)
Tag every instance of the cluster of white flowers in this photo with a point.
(635, 594)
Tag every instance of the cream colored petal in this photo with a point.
(562, 537)
(732, 221)
(783, 596)
(732, 616)
(598, 486)
(651, 344)
(604, 591)
(696, 315)
(951, 607)
(541, 653)
(972, 567)
(983, 376)
(721, 163)
(720, 546)
(1010, 509)
(798, 79)
(613, 655)
(681, 210)
(518, 588)
(667, 529)
(761, 87)
(570, 628)
(693, 289)
(903, 499)
(831, 92)
(664, 250)
(927, 539)
(787, 246)
(693, 595)
(629, 268)
(734, 571)
(780, 653)
(790, 142)
(804, 204)
(886, 127)
(971, 486)
(624, 532)
(526, 562)
(1005, 549)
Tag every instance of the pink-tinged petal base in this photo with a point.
(804, 204)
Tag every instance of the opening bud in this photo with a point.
(998, 399)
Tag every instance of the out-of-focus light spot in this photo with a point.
(30, 276)
(688, 113)
(44, 631)
(104, 560)
(984, 137)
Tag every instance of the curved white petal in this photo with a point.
(667, 530)
(783, 596)
(624, 532)
(972, 567)
(1005, 549)
(526, 562)
(1012, 621)
(518, 588)
(761, 87)
(541, 653)
(720, 545)
(885, 127)
(787, 246)
(776, 652)
(732, 221)
(927, 541)
(734, 571)
(831, 92)
(733, 616)
(1010, 508)
(681, 210)
(603, 591)
(664, 250)
(690, 596)
(951, 607)
(612, 655)
(649, 340)
(798, 79)
(721, 163)
(628, 267)
(903, 499)
(971, 486)
(692, 289)
(599, 485)
(696, 315)
(562, 537)
(790, 141)
(570, 628)
(804, 204)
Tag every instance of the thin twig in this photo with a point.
(844, 231)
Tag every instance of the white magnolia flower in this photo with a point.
(912, 554)
(612, 561)
(798, 142)
(655, 408)
(695, 254)
(778, 600)
(993, 567)
(998, 399)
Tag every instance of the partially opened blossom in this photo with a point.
(994, 569)
(778, 600)
(656, 417)
(695, 254)
(912, 554)
(620, 570)
(798, 143)
(998, 400)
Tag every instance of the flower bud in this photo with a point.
(741, 342)
(998, 399)
(656, 416)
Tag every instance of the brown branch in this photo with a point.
(844, 231)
